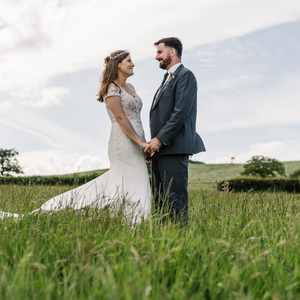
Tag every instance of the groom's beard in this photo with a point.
(164, 63)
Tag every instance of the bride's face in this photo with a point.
(126, 66)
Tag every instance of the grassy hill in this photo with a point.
(206, 175)
(214, 171)
(237, 246)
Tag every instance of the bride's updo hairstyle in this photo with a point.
(110, 72)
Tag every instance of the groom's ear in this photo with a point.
(173, 52)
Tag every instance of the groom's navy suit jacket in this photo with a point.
(173, 115)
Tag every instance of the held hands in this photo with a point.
(152, 147)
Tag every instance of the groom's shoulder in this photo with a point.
(184, 71)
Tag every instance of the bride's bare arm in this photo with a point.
(114, 105)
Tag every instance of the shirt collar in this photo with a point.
(173, 69)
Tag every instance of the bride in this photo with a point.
(126, 185)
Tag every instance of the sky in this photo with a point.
(243, 54)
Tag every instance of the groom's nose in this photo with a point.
(159, 57)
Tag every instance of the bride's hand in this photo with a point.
(142, 144)
(148, 150)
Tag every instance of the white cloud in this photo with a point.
(28, 129)
(5, 106)
(45, 98)
(278, 105)
(89, 162)
(52, 135)
(58, 162)
(41, 39)
(280, 150)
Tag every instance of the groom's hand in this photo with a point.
(147, 149)
(152, 147)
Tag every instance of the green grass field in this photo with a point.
(237, 246)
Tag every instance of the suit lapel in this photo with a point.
(153, 101)
(158, 95)
(160, 92)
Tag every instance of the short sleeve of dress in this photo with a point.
(112, 90)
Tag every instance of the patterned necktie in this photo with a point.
(166, 76)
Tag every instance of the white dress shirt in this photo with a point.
(171, 71)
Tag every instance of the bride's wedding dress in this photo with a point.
(126, 185)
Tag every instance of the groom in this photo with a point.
(173, 130)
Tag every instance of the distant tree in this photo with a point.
(295, 174)
(263, 166)
(9, 164)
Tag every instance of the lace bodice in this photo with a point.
(131, 102)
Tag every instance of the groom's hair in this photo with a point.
(172, 42)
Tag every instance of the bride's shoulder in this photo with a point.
(112, 90)
(113, 87)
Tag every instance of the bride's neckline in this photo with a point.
(127, 91)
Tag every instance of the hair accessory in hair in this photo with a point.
(119, 54)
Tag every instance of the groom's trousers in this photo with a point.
(170, 185)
